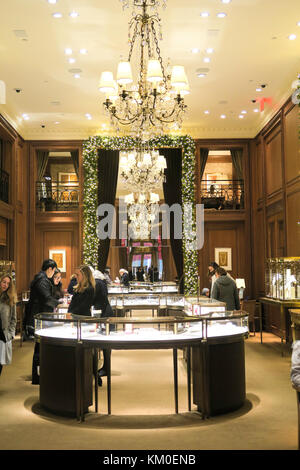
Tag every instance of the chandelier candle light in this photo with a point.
(156, 101)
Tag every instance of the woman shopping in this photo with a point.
(8, 319)
(84, 292)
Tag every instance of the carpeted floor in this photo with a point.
(143, 407)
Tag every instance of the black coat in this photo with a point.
(41, 295)
(82, 301)
(57, 290)
(125, 279)
(71, 285)
(101, 301)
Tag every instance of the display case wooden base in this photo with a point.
(218, 368)
(59, 378)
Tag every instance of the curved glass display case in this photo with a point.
(92, 329)
(69, 361)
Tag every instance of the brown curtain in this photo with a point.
(173, 195)
(203, 160)
(75, 160)
(108, 167)
(42, 160)
(237, 161)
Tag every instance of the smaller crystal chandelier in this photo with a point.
(156, 101)
(142, 213)
(142, 170)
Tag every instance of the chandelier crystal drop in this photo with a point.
(155, 102)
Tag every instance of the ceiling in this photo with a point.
(251, 48)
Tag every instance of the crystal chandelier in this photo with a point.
(156, 101)
(142, 170)
(142, 213)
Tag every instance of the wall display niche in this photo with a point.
(90, 162)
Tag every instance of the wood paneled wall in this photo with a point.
(227, 229)
(48, 230)
(275, 191)
(14, 215)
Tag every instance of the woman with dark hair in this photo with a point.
(212, 273)
(84, 292)
(57, 289)
(8, 319)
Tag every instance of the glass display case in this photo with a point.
(143, 287)
(72, 327)
(71, 342)
(202, 306)
(282, 278)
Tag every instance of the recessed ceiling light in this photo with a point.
(241, 116)
(88, 116)
(206, 59)
(204, 14)
(258, 89)
(298, 24)
(73, 14)
(57, 15)
(223, 116)
(292, 37)
(209, 50)
(256, 110)
(76, 75)
(244, 111)
(52, 1)
(206, 112)
(68, 51)
(83, 51)
(221, 15)
(201, 75)
(71, 60)
(57, 122)
(226, 1)
(25, 116)
(195, 50)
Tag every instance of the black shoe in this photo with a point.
(35, 381)
(102, 372)
(99, 382)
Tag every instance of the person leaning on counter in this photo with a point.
(84, 292)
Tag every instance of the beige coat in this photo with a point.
(8, 318)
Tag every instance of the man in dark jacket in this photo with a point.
(225, 290)
(41, 300)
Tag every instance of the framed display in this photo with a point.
(223, 258)
(60, 257)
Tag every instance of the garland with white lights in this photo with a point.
(91, 147)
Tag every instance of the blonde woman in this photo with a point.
(84, 292)
(8, 318)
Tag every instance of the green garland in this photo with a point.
(90, 190)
